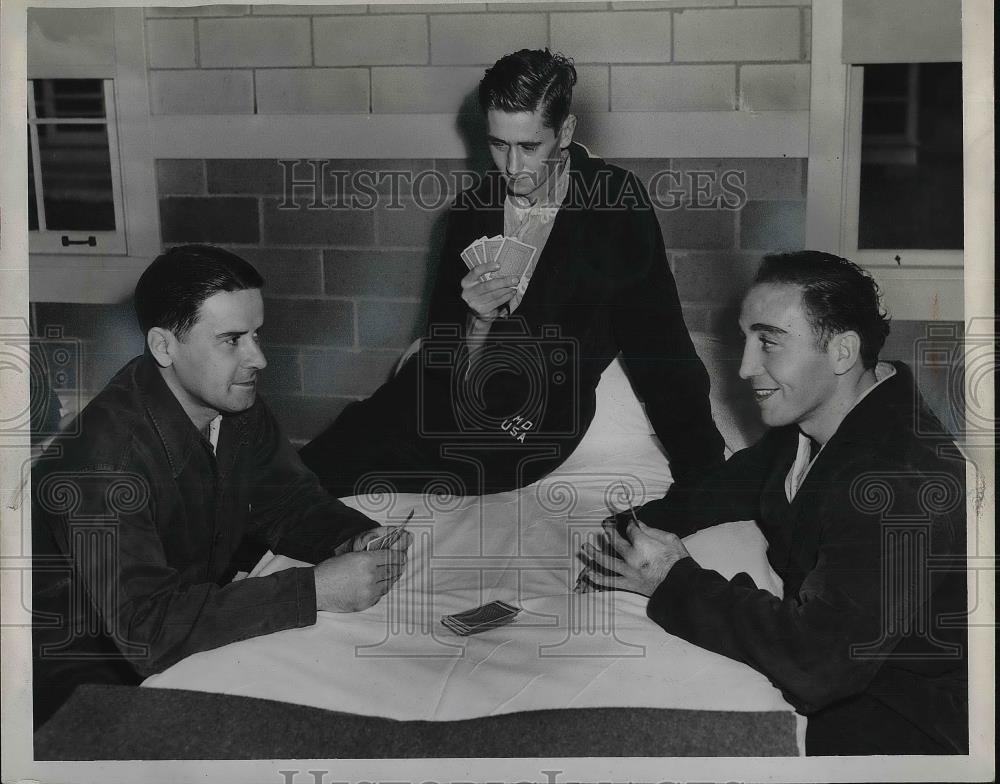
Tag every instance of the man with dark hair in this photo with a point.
(864, 518)
(502, 388)
(175, 479)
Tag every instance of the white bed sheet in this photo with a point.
(565, 650)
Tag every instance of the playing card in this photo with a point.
(487, 616)
(385, 541)
(492, 247)
(479, 250)
(469, 257)
(514, 257)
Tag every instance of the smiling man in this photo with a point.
(864, 518)
(552, 265)
(174, 479)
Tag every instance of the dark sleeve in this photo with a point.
(826, 641)
(105, 521)
(667, 374)
(290, 511)
(727, 493)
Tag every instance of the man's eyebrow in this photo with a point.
(233, 334)
(769, 328)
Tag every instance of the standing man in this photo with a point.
(864, 518)
(175, 478)
(502, 388)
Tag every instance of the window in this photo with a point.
(74, 181)
(910, 188)
(903, 165)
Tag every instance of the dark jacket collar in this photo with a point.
(172, 424)
(894, 406)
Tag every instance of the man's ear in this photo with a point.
(566, 131)
(845, 351)
(161, 343)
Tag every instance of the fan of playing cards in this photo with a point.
(487, 616)
(514, 257)
(386, 541)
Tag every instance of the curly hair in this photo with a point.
(838, 296)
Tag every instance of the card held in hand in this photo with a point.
(479, 619)
(514, 257)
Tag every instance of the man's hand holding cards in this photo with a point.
(497, 274)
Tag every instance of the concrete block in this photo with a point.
(219, 219)
(424, 8)
(782, 88)
(657, 5)
(355, 373)
(312, 91)
(708, 229)
(673, 88)
(371, 40)
(180, 177)
(542, 6)
(737, 35)
(738, 180)
(773, 225)
(170, 43)
(284, 371)
(201, 92)
(613, 37)
(386, 324)
(309, 322)
(424, 90)
(249, 177)
(592, 91)
(320, 9)
(59, 37)
(484, 38)
(325, 227)
(379, 273)
(287, 271)
(254, 43)
(718, 278)
(411, 226)
(198, 10)
(303, 418)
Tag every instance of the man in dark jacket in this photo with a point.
(502, 389)
(864, 518)
(174, 478)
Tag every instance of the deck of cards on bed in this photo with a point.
(485, 621)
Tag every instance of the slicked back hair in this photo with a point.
(837, 294)
(170, 292)
(530, 80)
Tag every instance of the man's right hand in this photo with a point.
(485, 297)
(355, 581)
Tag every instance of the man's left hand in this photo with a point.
(642, 563)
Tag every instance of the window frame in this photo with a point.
(875, 258)
(105, 277)
(65, 241)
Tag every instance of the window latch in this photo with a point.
(91, 241)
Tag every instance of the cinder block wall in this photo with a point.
(347, 287)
